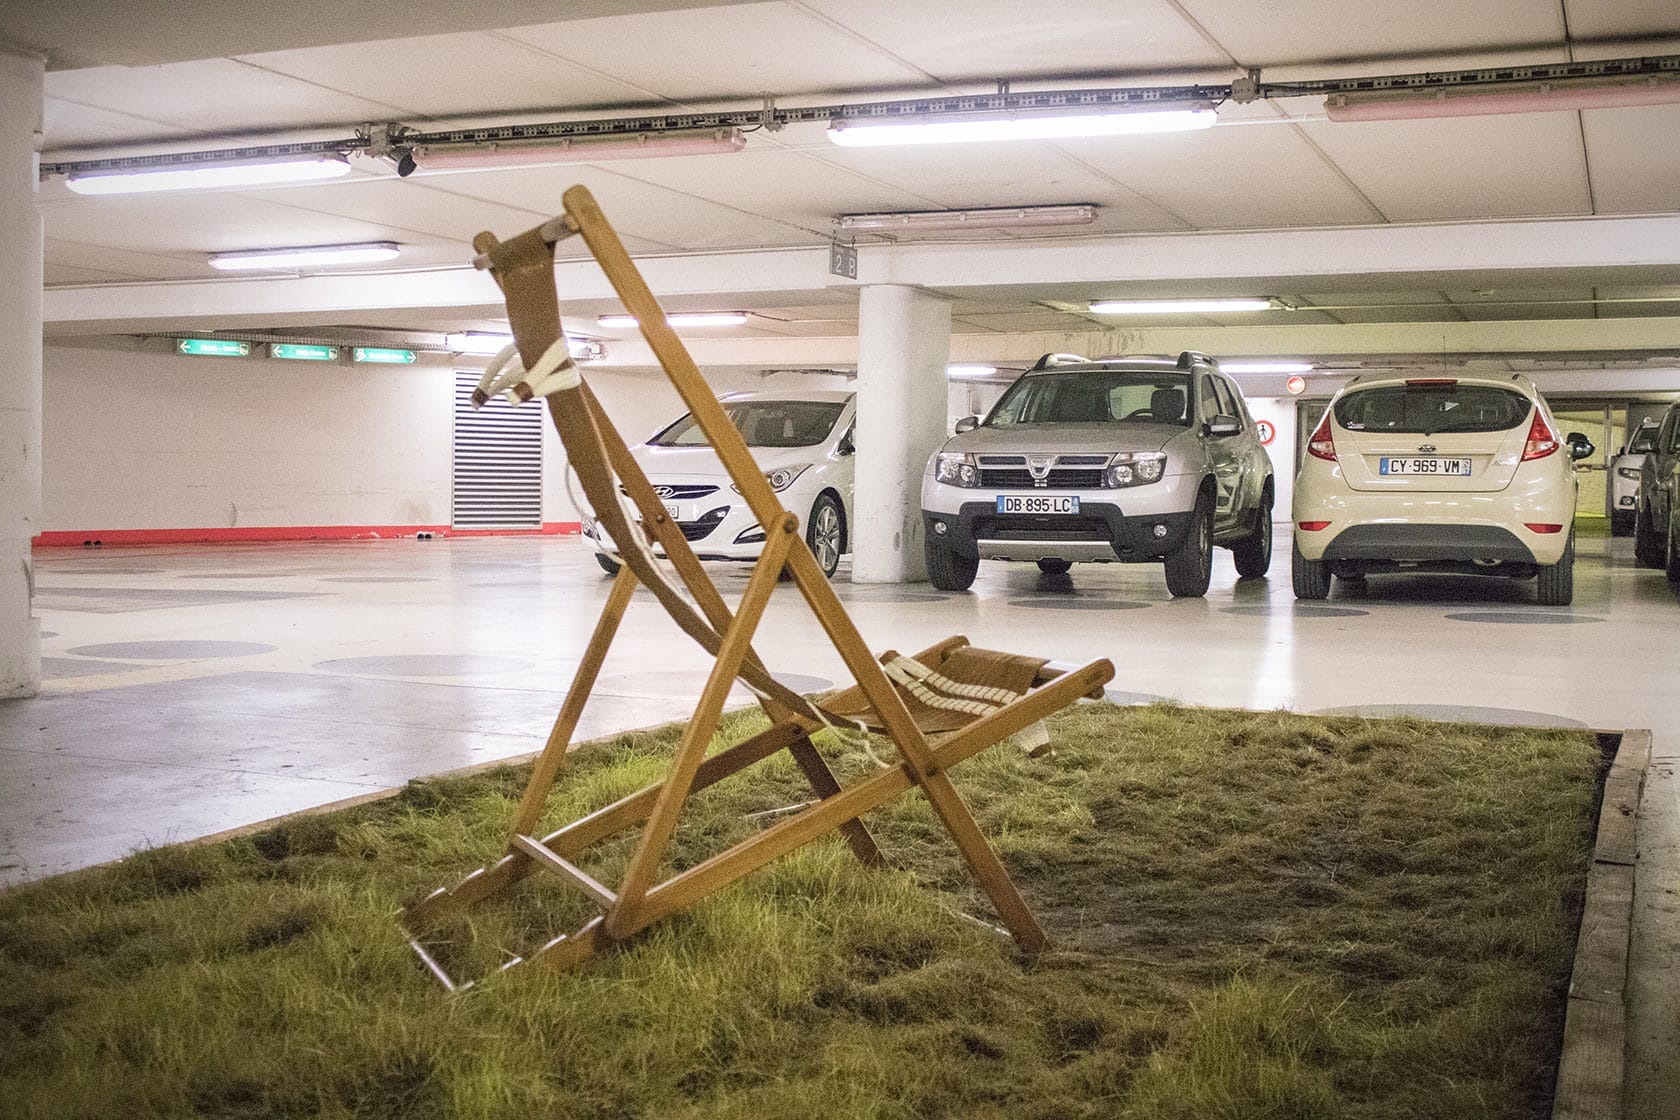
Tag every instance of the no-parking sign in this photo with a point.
(1267, 431)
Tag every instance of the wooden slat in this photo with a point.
(567, 870)
(1590, 1069)
(1601, 950)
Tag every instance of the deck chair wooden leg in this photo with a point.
(826, 785)
(656, 833)
(560, 736)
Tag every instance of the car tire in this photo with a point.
(1253, 554)
(608, 564)
(1310, 577)
(1189, 566)
(1647, 549)
(825, 532)
(1621, 523)
(1554, 585)
(949, 572)
(1671, 552)
(1055, 567)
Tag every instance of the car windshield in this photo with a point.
(762, 424)
(1644, 442)
(1431, 407)
(1094, 397)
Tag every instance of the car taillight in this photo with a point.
(1321, 445)
(1542, 441)
(1544, 529)
(1313, 526)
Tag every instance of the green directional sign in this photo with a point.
(217, 347)
(382, 355)
(299, 352)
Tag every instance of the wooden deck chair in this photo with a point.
(937, 707)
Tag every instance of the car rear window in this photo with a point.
(1431, 407)
(1644, 442)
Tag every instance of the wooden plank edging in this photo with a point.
(1592, 1065)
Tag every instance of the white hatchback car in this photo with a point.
(803, 443)
(1463, 474)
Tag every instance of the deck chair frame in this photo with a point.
(524, 267)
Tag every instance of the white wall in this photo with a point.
(1280, 412)
(137, 437)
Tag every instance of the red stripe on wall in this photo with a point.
(287, 533)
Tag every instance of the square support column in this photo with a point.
(20, 369)
(904, 345)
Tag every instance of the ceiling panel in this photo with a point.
(988, 39)
(1634, 156)
(76, 256)
(1274, 32)
(1514, 166)
(717, 52)
(441, 76)
(1595, 19)
(69, 125)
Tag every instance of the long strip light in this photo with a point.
(484, 345)
(588, 149)
(310, 257)
(1428, 104)
(680, 319)
(1178, 306)
(210, 174)
(884, 131)
(991, 217)
(965, 370)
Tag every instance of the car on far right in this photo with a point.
(1656, 535)
(1455, 474)
(1622, 495)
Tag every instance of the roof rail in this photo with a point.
(1189, 358)
(1050, 360)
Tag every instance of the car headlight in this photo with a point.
(1628, 472)
(1134, 468)
(956, 468)
(780, 478)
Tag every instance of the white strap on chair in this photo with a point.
(553, 372)
(939, 691)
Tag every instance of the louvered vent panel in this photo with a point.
(498, 462)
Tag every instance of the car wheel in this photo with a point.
(1054, 567)
(949, 572)
(1647, 549)
(1189, 567)
(1621, 523)
(608, 564)
(1671, 552)
(826, 533)
(1311, 577)
(1554, 586)
(1253, 554)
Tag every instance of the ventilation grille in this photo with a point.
(497, 480)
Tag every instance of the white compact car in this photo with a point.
(1622, 495)
(1463, 474)
(802, 441)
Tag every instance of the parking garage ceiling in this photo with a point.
(155, 78)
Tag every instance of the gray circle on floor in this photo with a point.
(58, 668)
(96, 570)
(1455, 713)
(1531, 618)
(180, 650)
(232, 575)
(1296, 610)
(1072, 603)
(890, 597)
(427, 665)
(378, 579)
(688, 681)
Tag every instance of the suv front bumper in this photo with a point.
(1100, 532)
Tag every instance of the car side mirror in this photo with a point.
(1579, 445)
(967, 424)
(1223, 425)
(847, 444)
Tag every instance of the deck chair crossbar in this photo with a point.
(937, 707)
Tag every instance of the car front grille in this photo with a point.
(701, 527)
(1073, 479)
(1028, 527)
(676, 493)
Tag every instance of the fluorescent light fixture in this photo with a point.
(991, 217)
(1178, 306)
(1426, 104)
(211, 173)
(870, 132)
(1266, 367)
(970, 371)
(483, 345)
(312, 256)
(681, 319)
(579, 149)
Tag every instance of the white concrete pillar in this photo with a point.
(904, 345)
(20, 369)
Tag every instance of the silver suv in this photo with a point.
(1118, 459)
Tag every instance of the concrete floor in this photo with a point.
(191, 689)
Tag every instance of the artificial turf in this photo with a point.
(1251, 915)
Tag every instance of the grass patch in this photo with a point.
(1251, 914)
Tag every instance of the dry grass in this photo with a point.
(1252, 915)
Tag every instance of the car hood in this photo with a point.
(1066, 439)
(657, 462)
